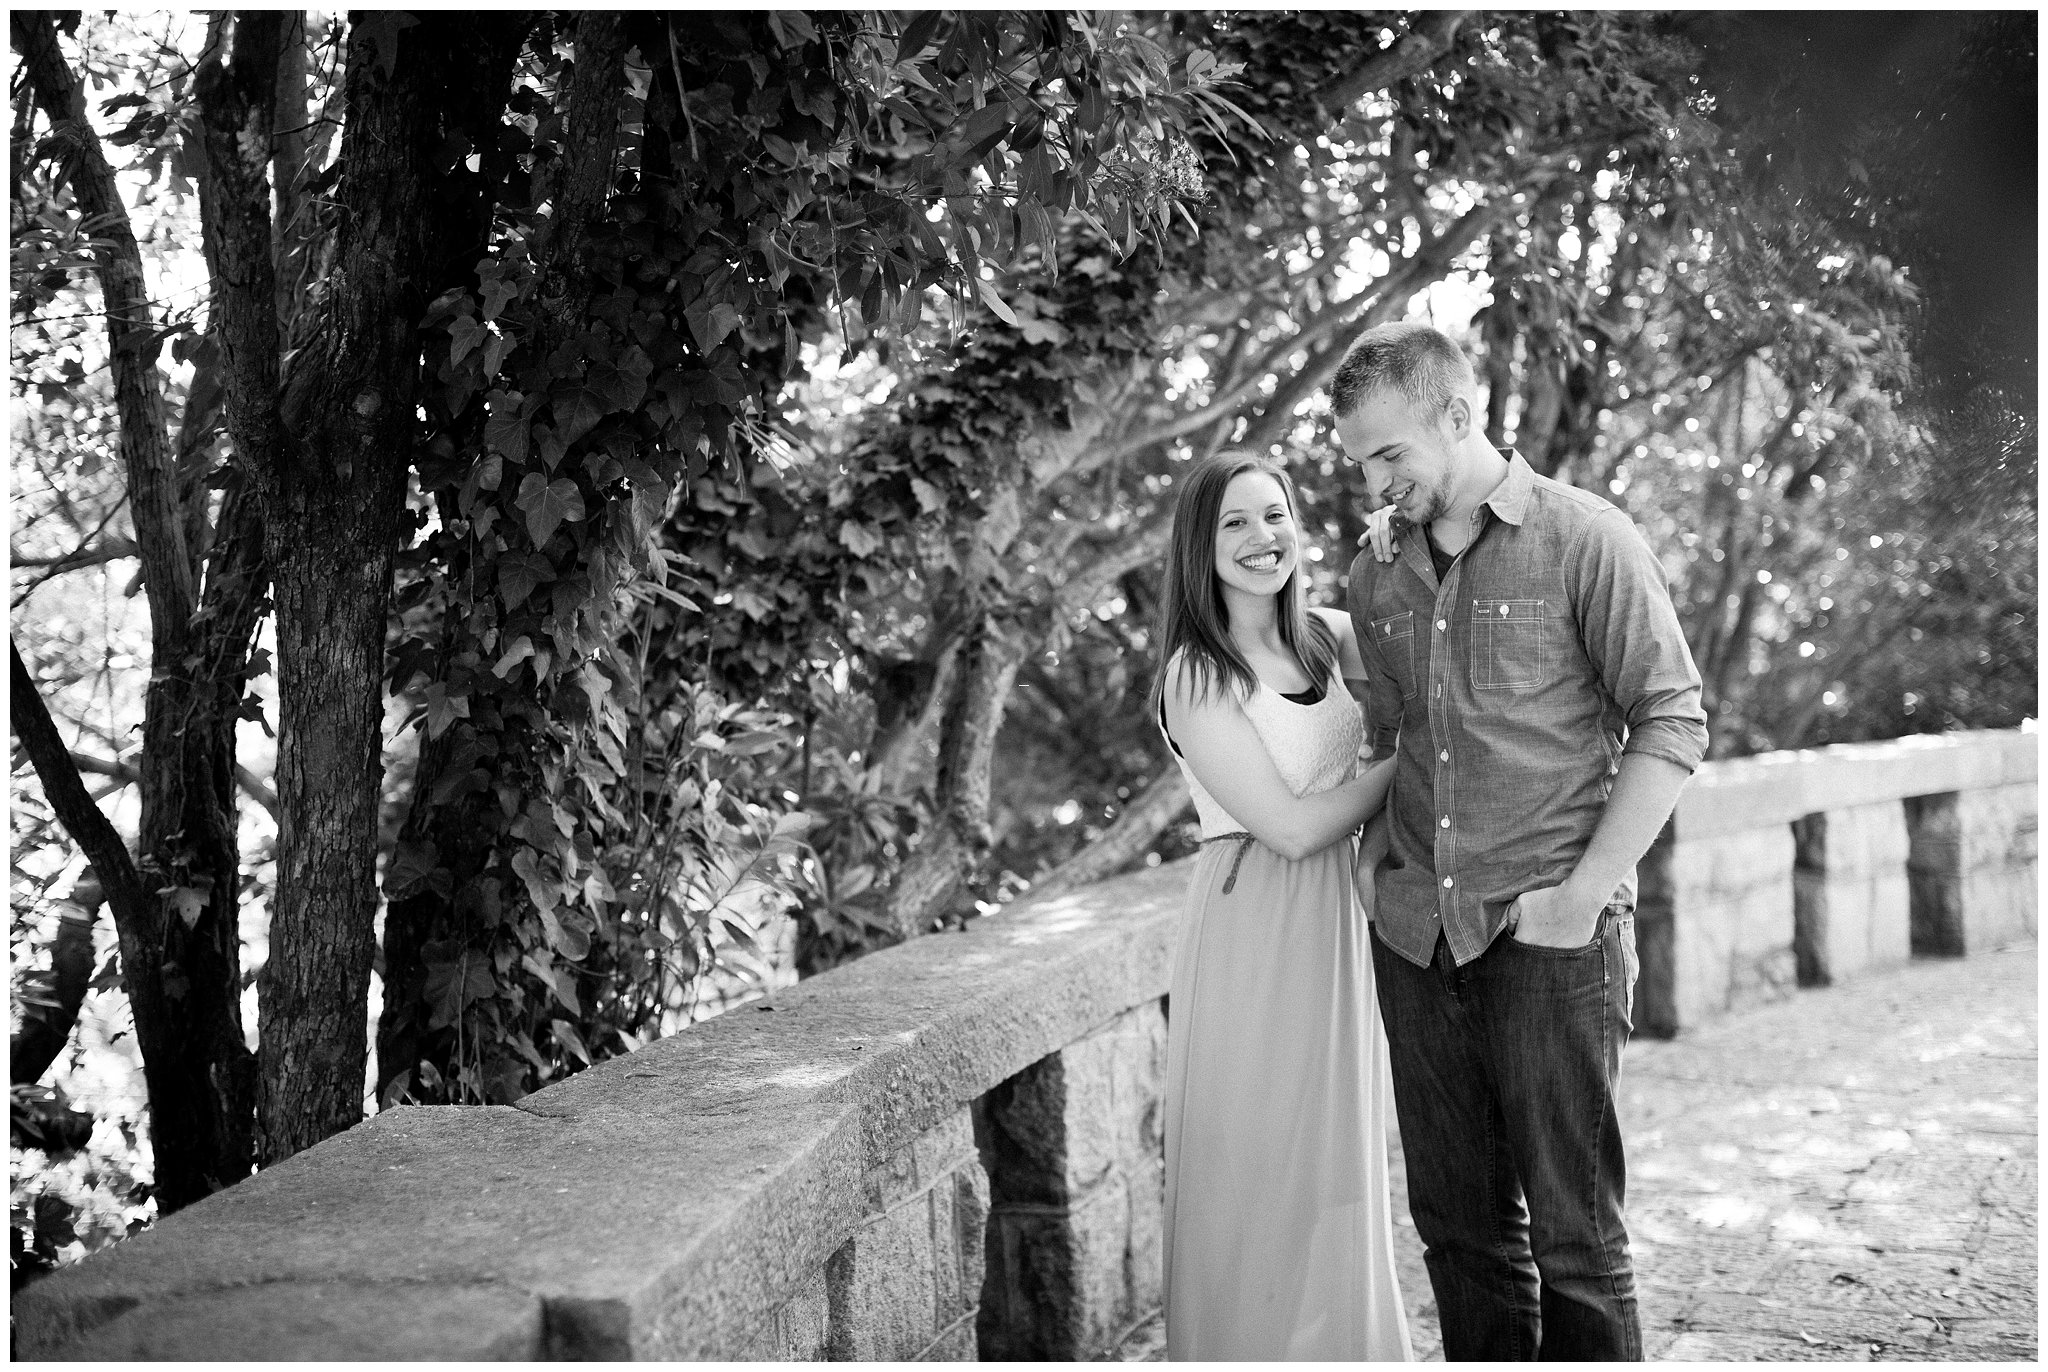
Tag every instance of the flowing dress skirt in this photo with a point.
(1279, 1238)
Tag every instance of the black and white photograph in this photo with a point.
(777, 685)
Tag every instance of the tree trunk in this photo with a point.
(329, 462)
(180, 944)
(577, 187)
(958, 838)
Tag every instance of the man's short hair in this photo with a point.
(1424, 366)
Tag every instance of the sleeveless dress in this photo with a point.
(1279, 1236)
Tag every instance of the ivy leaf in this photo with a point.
(452, 985)
(495, 348)
(410, 867)
(521, 649)
(566, 938)
(577, 410)
(464, 335)
(443, 709)
(498, 294)
(558, 980)
(618, 388)
(507, 430)
(189, 901)
(519, 573)
(710, 323)
(547, 504)
(540, 888)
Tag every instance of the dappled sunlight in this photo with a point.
(809, 1076)
(1723, 1212)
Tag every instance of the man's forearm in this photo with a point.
(1645, 791)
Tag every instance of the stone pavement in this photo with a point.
(1848, 1175)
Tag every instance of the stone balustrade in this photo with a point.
(952, 1149)
(1801, 868)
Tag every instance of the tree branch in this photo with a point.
(128, 774)
(1148, 815)
(46, 1025)
(133, 340)
(1411, 54)
(83, 820)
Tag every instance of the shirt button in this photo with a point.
(1444, 756)
(1441, 626)
(1444, 823)
(1447, 881)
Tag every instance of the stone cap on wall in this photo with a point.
(661, 1204)
(1771, 789)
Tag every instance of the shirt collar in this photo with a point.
(1510, 499)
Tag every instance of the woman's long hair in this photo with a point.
(1192, 617)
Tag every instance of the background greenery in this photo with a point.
(796, 402)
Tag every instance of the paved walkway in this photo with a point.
(1851, 1174)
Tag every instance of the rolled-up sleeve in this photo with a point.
(1382, 689)
(1631, 633)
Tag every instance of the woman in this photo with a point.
(1278, 1237)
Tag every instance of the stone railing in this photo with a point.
(950, 1149)
(1802, 868)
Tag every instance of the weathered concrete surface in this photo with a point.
(1732, 929)
(679, 1202)
(1849, 1175)
(1850, 892)
(1076, 1152)
(326, 1316)
(601, 1221)
(1776, 788)
(1999, 831)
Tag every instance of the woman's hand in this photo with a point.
(1379, 534)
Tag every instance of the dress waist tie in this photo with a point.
(1244, 841)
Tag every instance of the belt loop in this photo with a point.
(1244, 843)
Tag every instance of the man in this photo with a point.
(1524, 648)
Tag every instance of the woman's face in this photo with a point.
(1257, 544)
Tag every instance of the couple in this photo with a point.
(1534, 712)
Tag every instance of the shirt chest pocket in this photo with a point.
(1394, 636)
(1510, 647)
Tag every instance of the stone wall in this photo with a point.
(952, 1148)
(1806, 867)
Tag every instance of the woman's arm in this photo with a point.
(1349, 663)
(1230, 761)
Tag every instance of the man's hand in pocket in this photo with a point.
(1555, 917)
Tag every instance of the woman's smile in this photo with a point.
(1266, 561)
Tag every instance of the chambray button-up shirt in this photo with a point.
(1515, 686)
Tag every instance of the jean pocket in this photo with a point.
(1507, 644)
(1624, 927)
(1395, 638)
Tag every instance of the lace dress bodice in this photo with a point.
(1313, 747)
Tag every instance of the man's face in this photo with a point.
(1407, 454)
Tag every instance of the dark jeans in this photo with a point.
(1504, 1075)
